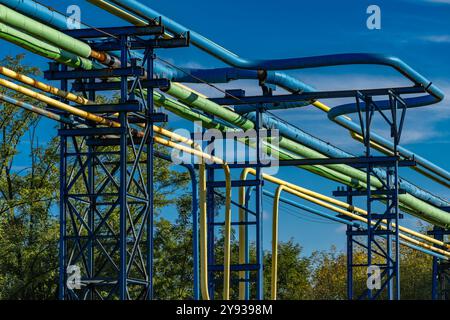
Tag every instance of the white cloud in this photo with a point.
(437, 38)
(341, 229)
(439, 1)
(420, 125)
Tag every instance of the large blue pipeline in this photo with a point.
(58, 20)
(434, 94)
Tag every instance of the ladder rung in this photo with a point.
(235, 267)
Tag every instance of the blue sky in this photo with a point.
(417, 31)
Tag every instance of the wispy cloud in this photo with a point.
(421, 125)
(437, 38)
(341, 229)
(439, 1)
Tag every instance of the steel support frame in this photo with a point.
(382, 246)
(253, 268)
(107, 187)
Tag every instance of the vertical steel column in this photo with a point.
(435, 285)
(92, 205)
(123, 270)
(211, 213)
(62, 205)
(248, 194)
(349, 251)
(259, 210)
(150, 174)
(375, 245)
(395, 132)
(368, 114)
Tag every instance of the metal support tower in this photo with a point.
(106, 172)
(440, 285)
(253, 266)
(381, 244)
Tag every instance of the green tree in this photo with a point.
(28, 233)
(294, 272)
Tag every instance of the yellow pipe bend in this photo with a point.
(242, 232)
(274, 278)
(346, 206)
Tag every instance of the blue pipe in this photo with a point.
(234, 60)
(348, 222)
(285, 81)
(327, 149)
(435, 94)
(37, 11)
(58, 20)
(227, 74)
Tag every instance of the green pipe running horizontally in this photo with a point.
(353, 177)
(44, 49)
(186, 112)
(43, 32)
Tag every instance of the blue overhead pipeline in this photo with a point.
(220, 75)
(290, 131)
(434, 93)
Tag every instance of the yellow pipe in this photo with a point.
(43, 86)
(276, 202)
(386, 151)
(362, 219)
(242, 234)
(283, 185)
(119, 12)
(358, 137)
(123, 14)
(346, 206)
(274, 278)
(341, 204)
(58, 104)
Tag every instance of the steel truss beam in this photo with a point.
(106, 177)
(381, 246)
(253, 265)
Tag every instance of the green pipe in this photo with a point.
(43, 32)
(194, 100)
(44, 49)
(186, 113)
(352, 177)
